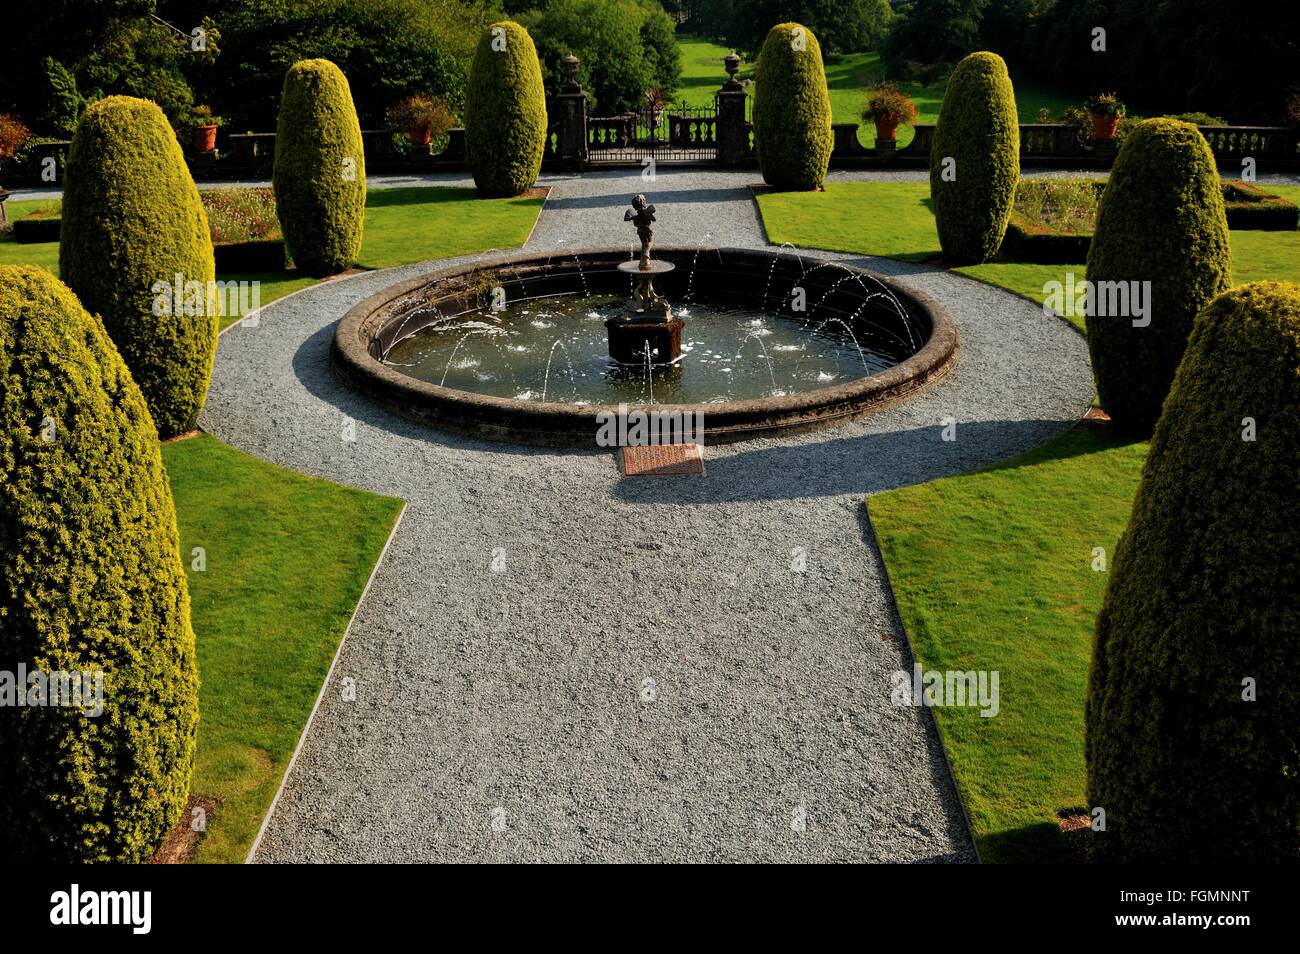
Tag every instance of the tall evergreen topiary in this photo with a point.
(132, 223)
(90, 582)
(505, 112)
(1192, 703)
(975, 160)
(1162, 221)
(792, 109)
(320, 169)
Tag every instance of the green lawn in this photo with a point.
(993, 571)
(892, 219)
(847, 78)
(402, 226)
(417, 224)
(287, 559)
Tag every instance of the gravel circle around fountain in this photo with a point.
(553, 663)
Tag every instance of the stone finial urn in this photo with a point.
(570, 65)
(731, 62)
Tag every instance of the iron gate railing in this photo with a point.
(679, 134)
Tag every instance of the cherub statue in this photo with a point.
(642, 214)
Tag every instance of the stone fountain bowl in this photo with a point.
(364, 334)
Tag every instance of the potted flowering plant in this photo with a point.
(889, 108)
(203, 129)
(422, 117)
(1106, 111)
(655, 102)
(13, 135)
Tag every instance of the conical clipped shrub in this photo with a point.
(792, 109)
(320, 169)
(132, 223)
(505, 111)
(975, 160)
(1162, 221)
(90, 582)
(1192, 702)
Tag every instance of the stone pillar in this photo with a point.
(571, 119)
(733, 133)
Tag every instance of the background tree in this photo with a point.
(626, 47)
(931, 33)
(841, 26)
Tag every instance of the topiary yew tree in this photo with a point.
(133, 222)
(1192, 702)
(320, 169)
(505, 112)
(90, 582)
(792, 110)
(1161, 220)
(975, 160)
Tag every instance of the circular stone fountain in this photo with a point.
(538, 348)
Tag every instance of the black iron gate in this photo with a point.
(677, 134)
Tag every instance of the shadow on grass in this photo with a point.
(1037, 844)
(417, 195)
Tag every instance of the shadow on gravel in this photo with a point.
(664, 197)
(311, 366)
(840, 465)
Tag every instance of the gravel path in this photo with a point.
(645, 678)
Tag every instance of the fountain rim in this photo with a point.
(562, 424)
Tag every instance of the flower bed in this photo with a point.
(1053, 219)
(245, 231)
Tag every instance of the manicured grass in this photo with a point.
(416, 224)
(1026, 279)
(402, 226)
(702, 71)
(993, 571)
(1289, 192)
(1261, 256)
(847, 78)
(892, 219)
(1256, 256)
(287, 559)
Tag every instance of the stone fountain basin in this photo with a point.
(726, 274)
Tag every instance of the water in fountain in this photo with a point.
(776, 392)
(794, 355)
(546, 379)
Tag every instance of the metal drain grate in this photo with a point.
(662, 460)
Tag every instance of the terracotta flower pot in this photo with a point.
(420, 135)
(887, 129)
(204, 138)
(1103, 127)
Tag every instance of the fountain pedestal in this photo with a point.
(630, 337)
(647, 322)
